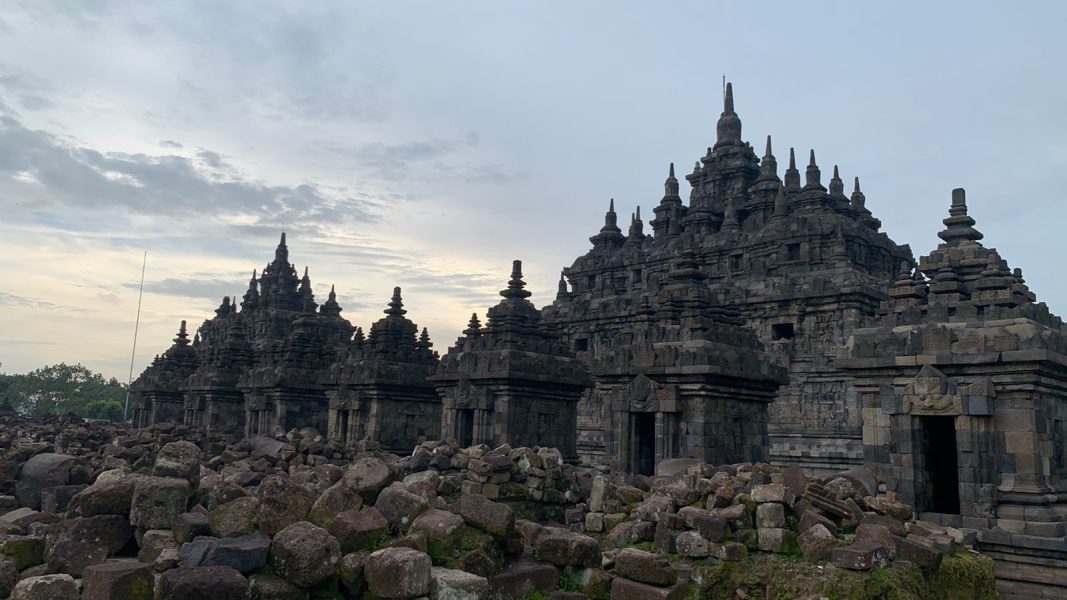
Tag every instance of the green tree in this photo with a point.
(64, 389)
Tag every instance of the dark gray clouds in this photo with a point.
(426, 144)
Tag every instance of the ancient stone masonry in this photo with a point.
(963, 387)
(804, 265)
(380, 390)
(689, 381)
(156, 394)
(293, 344)
(514, 382)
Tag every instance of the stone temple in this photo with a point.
(766, 319)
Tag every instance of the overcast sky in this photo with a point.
(427, 144)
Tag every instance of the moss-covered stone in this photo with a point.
(966, 576)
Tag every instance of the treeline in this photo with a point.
(61, 390)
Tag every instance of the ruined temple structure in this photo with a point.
(687, 379)
(963, 386)
(514, 382)
(380, 390)
(156, 394)
(768, 318)
(253, 370)
(803, 266)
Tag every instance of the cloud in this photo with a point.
(170, 144)
(25, 89)
(50, 174)
(198, 286)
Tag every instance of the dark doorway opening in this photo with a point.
(342, 427)
(645, 443)
(465, 427)
(939, 460)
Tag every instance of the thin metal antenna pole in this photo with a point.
(136, 326)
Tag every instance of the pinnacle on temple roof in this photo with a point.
(251, 297)
(357, 338)
(959, 226)
(813, 175)
(225, 308)
(331, 308)
(637, 228)
(396, 305)
(611, 219)
(474, 327)
(859, 201)
(768, 165)
(728, 129)
(781, 205)
(792, 175)
(281, 253)
(516, 284)
(562, 292)
(182, 339)
(837, 187)
(610, 232)
(670, 188)
(424, 342)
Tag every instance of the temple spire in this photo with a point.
(837, 188)
(637, 228)
(562, 291)
(859, 201)
(792, 175)
(474, 327)
(331, 307)
(670, 187)
(959, 226)
(728, 129)
(812, 175)
(182, 339)
(781, 206)
(396, 305)
(516, 284)
(610, 232)
(281, 253)
(768, 165)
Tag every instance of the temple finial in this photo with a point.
(812, 175)
(781, 206)
(728, 129)
(768, 151)
(959, 226)
(516, 284)
(611, 205)
(837, 187)
(792, 175)
(670, 186)
(396, 305)
(474, 327)
(856, 186)
(182, 339)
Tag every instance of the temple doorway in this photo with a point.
(465, 427)
(644, 440)
(941, 474)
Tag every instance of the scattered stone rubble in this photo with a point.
(98, 512)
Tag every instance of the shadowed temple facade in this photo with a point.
(766, 319)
